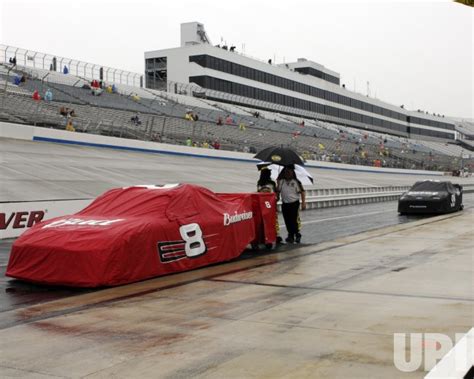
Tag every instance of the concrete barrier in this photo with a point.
(18, 216)
(25, 132)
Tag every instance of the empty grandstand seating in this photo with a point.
(162, 118)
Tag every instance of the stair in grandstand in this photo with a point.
(163, 113)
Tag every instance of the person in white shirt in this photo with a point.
(291, 190)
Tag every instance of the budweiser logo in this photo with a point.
(80, 222)
(236, 217)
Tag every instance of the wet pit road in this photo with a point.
(318, 226)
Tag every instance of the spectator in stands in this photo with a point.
(302, 123)
(23, 79)
(195, 117)
(216, 145)
(67, 112)
(16, 80)
(65, 70)
(256, 114)
(136, 119)
(242, 126)
(269, 61)
(36, 95)
(114, 88)
(189, 142)
(48, 95)
(156, 137)
(205, 145)
(135, 97)
(69, 126)
(219, 121)
(189, 116)
(228, 120)
(51, 67)
(109, 89)
(95, 88)
(291, 190)
(12, 61)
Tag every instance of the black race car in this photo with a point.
(431, 196)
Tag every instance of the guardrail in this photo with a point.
(21, 215)
(339, 197)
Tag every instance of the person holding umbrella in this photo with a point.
(291, 190)
(289, 187)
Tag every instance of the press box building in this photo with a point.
(303, 88)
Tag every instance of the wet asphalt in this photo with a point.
(319, 225)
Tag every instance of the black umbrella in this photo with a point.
(282, 156)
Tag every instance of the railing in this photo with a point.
(174, 122)
(86, 70)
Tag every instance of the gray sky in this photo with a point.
(417, 53)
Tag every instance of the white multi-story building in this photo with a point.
(303, 88)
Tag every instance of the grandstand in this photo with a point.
(161, 115)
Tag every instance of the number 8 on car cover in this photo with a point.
(194, 244)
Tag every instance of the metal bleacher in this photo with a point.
(162, 118)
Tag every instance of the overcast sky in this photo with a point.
(417, 53)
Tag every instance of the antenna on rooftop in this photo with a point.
(368, 88)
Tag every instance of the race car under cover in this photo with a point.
(135, 233)
(431, 196)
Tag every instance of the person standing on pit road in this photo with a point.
(266, 184)
(291, 190)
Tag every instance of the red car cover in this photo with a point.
(135, 233)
